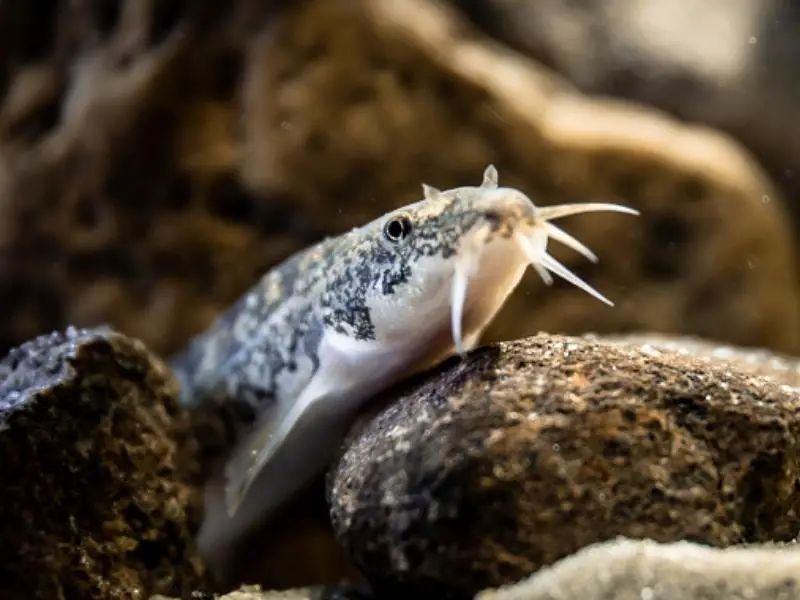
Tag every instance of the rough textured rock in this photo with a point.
(93, 504)
(783, 368)
(637, 570)
(178, 149)
(729, 64)
(491, 468)
(342, 591)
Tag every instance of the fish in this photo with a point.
(301, 354)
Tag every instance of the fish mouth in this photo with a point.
(530, 229)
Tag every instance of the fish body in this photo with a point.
(303, 351)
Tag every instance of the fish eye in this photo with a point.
(397, 228)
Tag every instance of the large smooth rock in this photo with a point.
(645, 570)
(726, 63)
(488, 469)
(94, 505)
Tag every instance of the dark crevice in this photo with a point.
(38, 33)
(106, 15)
(664, 254)
(107, 262)
(228, 200)
(759, 492)
(88, 213)
(166, 16)
(38, 122)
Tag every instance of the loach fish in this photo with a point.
(305, 349)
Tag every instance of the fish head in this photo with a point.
(440, 269)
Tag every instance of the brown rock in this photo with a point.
(488, 469)
(725, 64)
(782, 368)
(118, 157)
(342, 591)
(178, 149)
(93, 501)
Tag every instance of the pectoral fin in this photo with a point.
(271, 434)
(282, 455)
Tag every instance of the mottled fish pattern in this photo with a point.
(264, 348)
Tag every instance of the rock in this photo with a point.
(178, 149)
(626, 569)
(94, 505)
(342, 591)
(783, 368)
(486, 470)
(728, 64)
(119, 126)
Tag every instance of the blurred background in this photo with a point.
(156, 156)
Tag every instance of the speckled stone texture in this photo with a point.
(783, 368)
(522, 454)
(93, 504)
(342, 591)
(178, 149)
(644, 570)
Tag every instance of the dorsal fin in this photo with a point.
(431, 193)
(489, 177)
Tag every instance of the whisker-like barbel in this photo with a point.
(533, 238)
(550, 213)
(542, 259)
(466, 263)
(559, 235)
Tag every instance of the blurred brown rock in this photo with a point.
(94, 500)
(253, 592)
(525, 452)
(156, 157)
(730, 64)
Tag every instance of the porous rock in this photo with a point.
(642, 569)
(783, 368)
(488, 469)
(179, 149)
(342, 591)
(93, 502)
